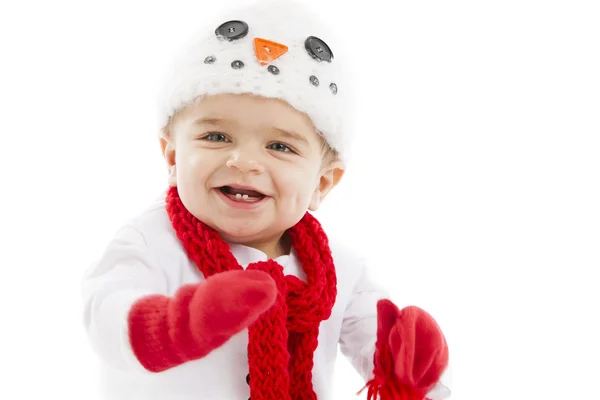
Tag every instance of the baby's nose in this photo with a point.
(245, 165)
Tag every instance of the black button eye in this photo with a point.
(273, 69)
(318, 49)
(232, 30)
(237, 64)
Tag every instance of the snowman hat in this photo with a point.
(272, 48)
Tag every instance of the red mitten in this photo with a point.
(168, 331)
(411, 353)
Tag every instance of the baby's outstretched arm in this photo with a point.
(167, 331)
(132, 323)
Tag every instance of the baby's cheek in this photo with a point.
(193, 166)
(302, 197)
(194, 159)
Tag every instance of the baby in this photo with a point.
(227, 288)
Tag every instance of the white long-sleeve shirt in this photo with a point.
(145, 257)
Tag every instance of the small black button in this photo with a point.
(273, 69)
(318, 49)
(314, 80)
(210, 60)
(248, 379)
(334, 88)
(232, 30)
(237, 64)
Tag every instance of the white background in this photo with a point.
(475, 193)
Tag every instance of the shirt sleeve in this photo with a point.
(359, 327)
(123, 274)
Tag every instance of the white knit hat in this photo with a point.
(272, 48)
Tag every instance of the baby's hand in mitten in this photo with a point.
(168, 331)
(229, 302)
(411, 354)
(418, 348)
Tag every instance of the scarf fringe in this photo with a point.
(385, 385)
(378, 390)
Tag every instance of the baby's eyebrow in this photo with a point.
(210, 121)
(291, 134)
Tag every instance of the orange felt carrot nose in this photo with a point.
(267, 51)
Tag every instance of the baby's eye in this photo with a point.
(280, 147)
(215, 137)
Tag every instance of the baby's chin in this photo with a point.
(244, 232)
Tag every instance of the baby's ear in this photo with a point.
(331, 175)
(168, 150)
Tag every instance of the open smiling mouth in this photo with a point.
(242, 195)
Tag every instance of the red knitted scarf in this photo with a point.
(283, 341)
